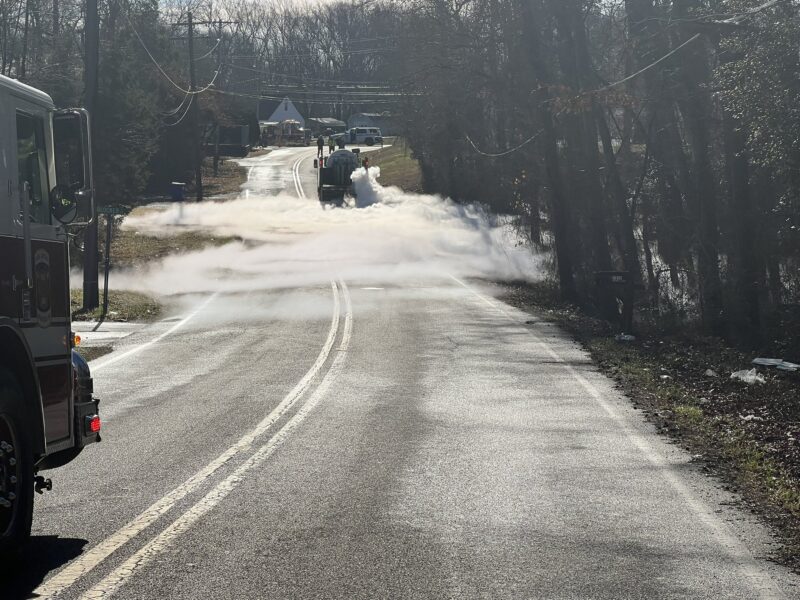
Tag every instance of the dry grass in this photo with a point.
(123, 305)
(398, 167)
(228, 182)
(131, 248)
(91, 352)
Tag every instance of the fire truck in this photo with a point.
(291, 133)
(47, 410)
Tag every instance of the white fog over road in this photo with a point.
(341, 407)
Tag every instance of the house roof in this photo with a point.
(267, 107)
(330, 121)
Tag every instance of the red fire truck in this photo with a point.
(47, 410)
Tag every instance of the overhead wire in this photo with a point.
(185, 113)
(736, 19)
(210, 52)
(161, 69)
(280, 98)
(152, 58)
(179, 107)
(300, 77)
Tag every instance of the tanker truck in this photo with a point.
(333, 180)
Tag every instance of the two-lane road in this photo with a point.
(405, 436)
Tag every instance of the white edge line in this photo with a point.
(743, 558)
(114, 359)
(93, 557)
(119, 576)
(298, 186)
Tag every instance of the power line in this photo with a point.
(333, 93)
(506, 152)
(649, 67)
(280, 98)
(210, 52)
(152, 58)
(183, 116)
(735, 20)
(162, 71)
(210, 83)
(300, 77)
(178, 109)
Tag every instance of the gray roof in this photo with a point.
(267, 107)
(327, 121)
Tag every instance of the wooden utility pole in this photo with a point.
(195, 115)
(217, 124)
(194, 108)
(91, 293)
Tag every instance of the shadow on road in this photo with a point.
(45, 553)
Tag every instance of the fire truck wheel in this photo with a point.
(16, 467)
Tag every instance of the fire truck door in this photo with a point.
(44, 299)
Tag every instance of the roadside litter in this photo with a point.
(749, 377)
(776, 363)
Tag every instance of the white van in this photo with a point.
(364, 135)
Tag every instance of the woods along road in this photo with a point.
(338, 409)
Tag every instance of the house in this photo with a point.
(384, 121)
(275, 111)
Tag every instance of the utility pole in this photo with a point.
(91, 294)
(194, 108)
(195, 115)
(217, 125)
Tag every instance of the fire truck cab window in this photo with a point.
(32, 164)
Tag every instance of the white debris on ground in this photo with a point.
(750, 377)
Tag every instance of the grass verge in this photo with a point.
(228, 181)
(92, 352)
(130, 248)
(123, 305)
(398, 167)
(747, 435)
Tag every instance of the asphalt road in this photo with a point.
(399, 438)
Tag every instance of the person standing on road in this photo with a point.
(331, 144)
(320, 146)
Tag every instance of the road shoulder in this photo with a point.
(743, 435)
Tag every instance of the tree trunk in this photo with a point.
(619, 195)
(696, 107)
(583, 162)
(745, 259)
(24, 56)
(560, 209)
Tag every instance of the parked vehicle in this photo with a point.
(364, 135)
(291, 133)
(333, 181)
(47, 411)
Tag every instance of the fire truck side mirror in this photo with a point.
(316, 163)
(73, 158)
